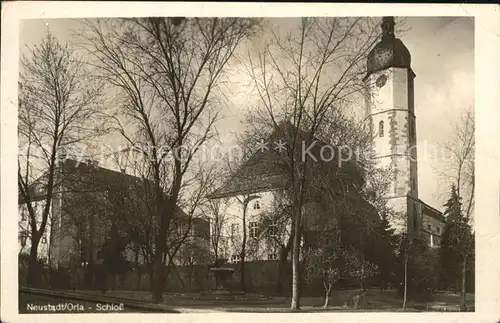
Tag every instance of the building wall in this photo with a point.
(433, 229)
(24, 230)
(58, 241)
(260, 244)
(391, 107)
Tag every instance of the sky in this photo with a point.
(442, 50)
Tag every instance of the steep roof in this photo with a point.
(81, 177)
(429, 210)
(266, 169)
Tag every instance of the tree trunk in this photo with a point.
(327, 295)
(157, 288)
(282, 263)
(243, 249)
(137, 269)
(171, 265)
(151, 275)
(139, 278)
(159, 257)
(405, 290)
(216, 265)
(33, 270)
(463, 291)
(295, 264)
(362, 285)
(166, 209)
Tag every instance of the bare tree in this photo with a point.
(300, 78)
(215, 210)
(459, 157)
(167, 72)
(57, 109)
(275, 225)
(238, 171)
(322, 263)
(460, 173)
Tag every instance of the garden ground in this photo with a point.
(373, 300)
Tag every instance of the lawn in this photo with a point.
(372, 300)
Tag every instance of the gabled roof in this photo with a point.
(266, 169)
(77, 175)
(429, 210)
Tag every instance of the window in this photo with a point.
(235, 258)
(381, 129)
(429, 227)
(273, 229)
(438, 229)
(39, 190)
(272, 256)
(235, 229)
(253, 229)
(44, 239)
(256, 205)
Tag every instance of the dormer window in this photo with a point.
(381, 129)
(256, 205)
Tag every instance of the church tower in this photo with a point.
(391, 114)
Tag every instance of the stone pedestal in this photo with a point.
(222, 278)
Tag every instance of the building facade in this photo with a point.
(391, 115)
(87, 203)
(24, 231)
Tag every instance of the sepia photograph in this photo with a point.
(229, 164)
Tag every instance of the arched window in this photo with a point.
(381, 129)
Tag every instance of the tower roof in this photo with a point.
(389, 52)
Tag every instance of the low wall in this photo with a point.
(261, 277)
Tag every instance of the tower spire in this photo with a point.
(388, 26)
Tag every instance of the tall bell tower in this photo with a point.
(391, 114)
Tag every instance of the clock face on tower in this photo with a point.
(382, 79)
